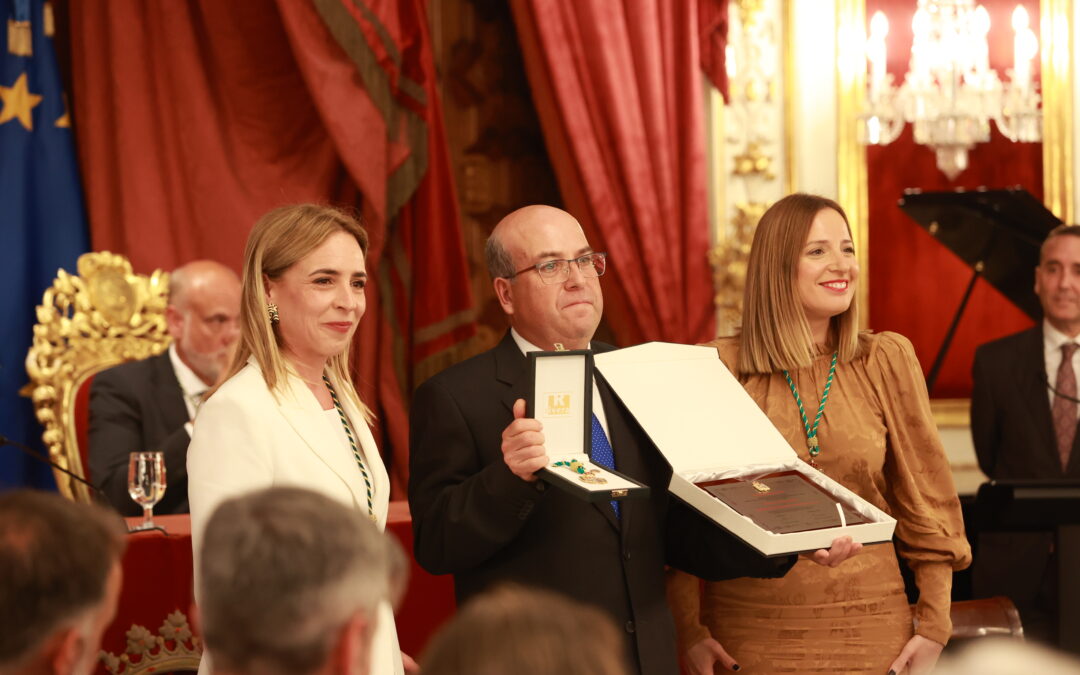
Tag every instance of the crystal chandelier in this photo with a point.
(950, 93)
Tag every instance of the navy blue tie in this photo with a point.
(602, 454)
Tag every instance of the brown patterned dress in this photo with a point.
(878, 438)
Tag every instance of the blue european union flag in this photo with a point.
(42, 220)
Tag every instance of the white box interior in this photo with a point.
(559, 402)
(709, 428)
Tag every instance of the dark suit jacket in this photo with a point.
(473, 518)
(1013, 430)
(138, 406)
(1011, 422)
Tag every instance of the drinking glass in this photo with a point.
(146, 484)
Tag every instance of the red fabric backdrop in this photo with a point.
(916, 284)
(619, 92)
(195, 118)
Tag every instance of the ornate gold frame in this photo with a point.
(851, 189)
(104, 316)
(1055, 48)
(1057, 92)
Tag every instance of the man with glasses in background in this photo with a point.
(479, 511)
(150, 404)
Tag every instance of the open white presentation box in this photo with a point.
(708, 428)
(561, 398)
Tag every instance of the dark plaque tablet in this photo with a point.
(783, 503)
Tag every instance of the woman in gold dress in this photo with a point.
(874, 434)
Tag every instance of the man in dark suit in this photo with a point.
(149, 404)
(479, 511)
(1023, 422)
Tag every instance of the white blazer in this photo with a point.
(245, 439)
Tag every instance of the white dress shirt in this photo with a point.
(191, 385)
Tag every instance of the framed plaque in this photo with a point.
(784, 502)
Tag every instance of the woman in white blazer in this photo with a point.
(287, 413)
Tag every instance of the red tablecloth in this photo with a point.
(157, 582)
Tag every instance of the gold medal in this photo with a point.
(591, 477)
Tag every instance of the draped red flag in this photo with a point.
(195, 118)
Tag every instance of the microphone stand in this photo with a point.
(99, 495)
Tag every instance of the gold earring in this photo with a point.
(271, 311)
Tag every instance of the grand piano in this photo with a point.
(998, 233)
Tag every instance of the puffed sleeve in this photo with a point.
(918, 483)
(684, 598)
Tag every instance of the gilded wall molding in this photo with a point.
(852, 192)
(749, 144)
(1055, 49)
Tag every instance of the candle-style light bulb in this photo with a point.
(1023, 50)
(875, 53)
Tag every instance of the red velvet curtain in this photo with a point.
(618, 88)
(195, 118)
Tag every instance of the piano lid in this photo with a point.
(999, 231)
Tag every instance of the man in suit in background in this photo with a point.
(479, 511)
(1023, 421)
(60, 578)
(149, 404)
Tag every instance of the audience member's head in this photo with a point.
(290, 581)
(203, 316)
(59, 582)
(524, 631)
(1006, 656)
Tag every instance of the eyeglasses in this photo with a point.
(556, 271)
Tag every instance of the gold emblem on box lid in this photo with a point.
(558, 404)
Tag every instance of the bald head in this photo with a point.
(198, 274)
(203, 316)
(563, 310)
(510, 231)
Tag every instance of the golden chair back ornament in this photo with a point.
(103, 317)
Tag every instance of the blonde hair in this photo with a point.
(278, 241)
(775, 333)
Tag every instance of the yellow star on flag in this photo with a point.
(18, 102)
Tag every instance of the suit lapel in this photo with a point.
(512, 369)
(303, 413)
(614, 434)
(167, 391)
(1030, 378)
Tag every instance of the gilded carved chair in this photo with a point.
(103, 317)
